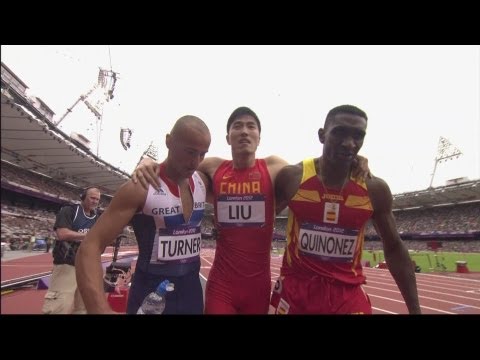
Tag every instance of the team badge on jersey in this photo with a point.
(254, 175)
(331, 212)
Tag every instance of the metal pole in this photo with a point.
(433, 174)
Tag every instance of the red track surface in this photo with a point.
(448, 293)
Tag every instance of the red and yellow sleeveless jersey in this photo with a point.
(325, 229)
(244, 217)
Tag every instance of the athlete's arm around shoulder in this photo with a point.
(146, 173)
(274, 165)
(206, 170)
(396, 254)
(287, 182)
(127, 201)
(210, 165)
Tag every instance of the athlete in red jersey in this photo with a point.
(328, 210)
(239, 280)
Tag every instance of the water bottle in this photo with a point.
(155, 302)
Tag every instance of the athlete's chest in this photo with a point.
(247, 181)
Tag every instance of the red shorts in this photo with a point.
(318, 295)
(243, 296)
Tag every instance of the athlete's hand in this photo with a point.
(146, 172)
(360, 168)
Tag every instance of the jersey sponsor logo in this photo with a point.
(83, 231)
(180, 244)
(327, 243)
(160, 192)
(241, 210)
(332, 197)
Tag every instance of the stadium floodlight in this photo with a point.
(446, 151)
(151, 152)
(106, 79)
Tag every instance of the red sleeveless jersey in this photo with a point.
(325, 229)
(244, 217)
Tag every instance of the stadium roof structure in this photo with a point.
(465, 192)
(31, 141)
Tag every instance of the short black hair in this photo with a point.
(243, 110)
(344, 109)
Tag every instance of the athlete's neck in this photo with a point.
(171, 174)
(332, 175)
(243, 161)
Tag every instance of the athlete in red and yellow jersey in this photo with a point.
(328, 210)
(325, 239)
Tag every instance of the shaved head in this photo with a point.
(188, 123)
(187, 144)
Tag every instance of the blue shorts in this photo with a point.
(187, 298)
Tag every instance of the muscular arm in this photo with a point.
(286, 185)
(128, 199)
(275, 164)
(396, 254)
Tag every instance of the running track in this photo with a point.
(449, 293)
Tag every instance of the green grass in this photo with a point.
(427, 260)
(430, 261)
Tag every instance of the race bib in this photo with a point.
(179, 244)
(328, 243)
(241, 210)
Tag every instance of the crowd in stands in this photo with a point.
(20, 220)
(25, 179)
(462, 218)
(20, 223)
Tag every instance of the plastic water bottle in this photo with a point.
(155, 302)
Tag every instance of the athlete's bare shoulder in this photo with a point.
(209, 165)
(376, 184)
(274, 160)
(379, 193)
(292, 172)
(274, 165)
(130, 195)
